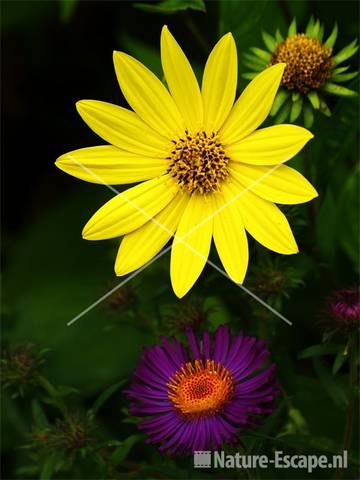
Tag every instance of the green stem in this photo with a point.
(353, 382)
(307, 166)
(349, 422)
(53, 393)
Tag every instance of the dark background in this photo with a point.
(52, 57)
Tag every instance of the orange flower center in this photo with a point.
(200, 388)
(198, 163)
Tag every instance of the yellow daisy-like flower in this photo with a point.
(205, 172)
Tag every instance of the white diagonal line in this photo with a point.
(178, 240)
(159, 224)
(249, 292)
(121, 284)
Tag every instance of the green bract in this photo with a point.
(290, 102)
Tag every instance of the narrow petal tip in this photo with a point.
(82, 106)
(58, 162)
(87, 231)
(63, 161)
(180, 293)
(120, 56)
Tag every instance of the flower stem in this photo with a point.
(352, 355)
(53, 393)
(353, 382)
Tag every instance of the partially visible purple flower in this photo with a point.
(344, 308)
(201, 396)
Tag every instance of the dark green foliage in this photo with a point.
(65, 414)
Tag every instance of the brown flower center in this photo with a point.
(308, 62)
(198, 163)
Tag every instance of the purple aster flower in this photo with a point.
(198, 398)
(344, 308)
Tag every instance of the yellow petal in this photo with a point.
(139, 247)
(195, 230)
(110, 165)
(130, 209)
(148, 96)
(219, 83)
(123, 128)
(270, 146)
(279, 184)
(253, 105)
(230, 236)
(265, 222)
(181, 81)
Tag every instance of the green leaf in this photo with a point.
(263, 54)
(308, 116)
(292, 28)
(284, 112)
(62, 286)
(280, 98)
(67, 8)
(296, 109)
(278, 37)
(339, 361)
(338, 90)
(296, 423)
(345, 77)
(218, 312)
(310, 26)
(253, 63)
(39, 415)
(320, 35)
(340, 70)
(65, 390)
(326, 226)
(314, 99)
(171, 6)
(324, 108)
(269, 41)
(318, 350)
(295, 96)
(234, 17)
(310, 443)
(330, 42)
(123, 450)
(104, 396)
(334, 389)
(49, 467)
(346, 53)
(350, 230)
(249, 75)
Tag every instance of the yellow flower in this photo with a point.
(205, 172)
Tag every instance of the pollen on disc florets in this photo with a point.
(200, 388)
(308, 62)
(198, 163)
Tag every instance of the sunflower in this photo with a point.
(312, 70)
(204, 171)
(201, 396)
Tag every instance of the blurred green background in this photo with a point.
(57, 52)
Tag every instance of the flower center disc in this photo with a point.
(201, 388)
(198, 163)
(308, 62)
